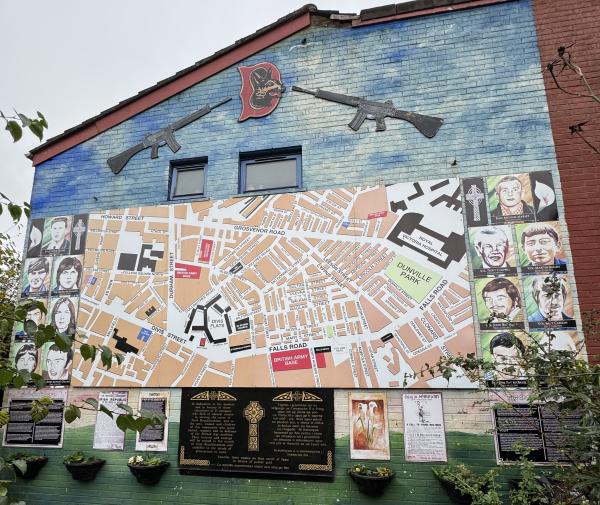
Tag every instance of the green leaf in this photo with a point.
(104, 408)
(6, 377)
(87, 351)
(124, 422)
(30, 327)
(72, 412)
(15, 130)
(64, 342)
(18, 381)
(92, 401)
(3, 489)
(106, 356)
(125, 407)
(25, 121)
(43, 121)
(119, 357)
(21, 464)
(27, 210)
(4, 417)
(37, 129)
(39, 410)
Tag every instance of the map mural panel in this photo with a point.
(349, 287)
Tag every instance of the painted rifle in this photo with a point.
(369, 109)
(160, 138)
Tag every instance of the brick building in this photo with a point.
(476, 64)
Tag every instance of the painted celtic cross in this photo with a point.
(253, 413)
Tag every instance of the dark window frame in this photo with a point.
(187, 165)
(266, 156)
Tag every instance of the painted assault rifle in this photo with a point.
(160, 138)
(368, 109)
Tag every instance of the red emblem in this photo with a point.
(261, 90)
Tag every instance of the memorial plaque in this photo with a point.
(23, 431)
(541, 429)
(257, 431)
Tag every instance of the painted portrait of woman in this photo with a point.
(63, 316)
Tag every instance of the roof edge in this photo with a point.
(184, 79)
(417, 8)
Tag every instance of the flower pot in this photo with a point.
(372, 485)
(85, 471)
(33, 468)
(150, 474)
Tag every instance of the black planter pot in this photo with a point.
(371, 485)
(85, 471)
(148, 475)
(33, 468)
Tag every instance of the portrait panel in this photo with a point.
(57, 236)
(544, 196)
(35, 280)
(62, 314)
(56, 365)
(34, 238)
(67, 275)
(541, 248)
(510, 199)
(492, 251)
(35, 314)
(499, 303)
(504, 349)
(25, 357)
(549, 301)
(79, 234)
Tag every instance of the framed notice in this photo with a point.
(369, 433)
(23, 431)
(154, 438)
(107, 434)
(257, 431)
(424, 432)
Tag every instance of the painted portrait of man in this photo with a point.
(57, 235)
(513, 204)
(499, 303)
(540, 248)
(37, 278)
(505, 350)
(549, 301)
(57, 364)
(494, 252)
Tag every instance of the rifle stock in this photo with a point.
(427, 125)
(116, 163)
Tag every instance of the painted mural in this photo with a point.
(351, 287)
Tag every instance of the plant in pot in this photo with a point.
(371, 482)
(26, 465)
(147, 469)
(466, 487)
(82, 467)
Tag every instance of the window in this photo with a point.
(187, 178)
(271, 170)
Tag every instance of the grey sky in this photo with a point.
(72, 59)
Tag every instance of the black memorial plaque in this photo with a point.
(22, 430)
(540, 429)
(257, 431)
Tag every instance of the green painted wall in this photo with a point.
(414, 482)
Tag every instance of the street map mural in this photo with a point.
(351, 287)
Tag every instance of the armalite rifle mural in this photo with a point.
(165, 136)
(370, 109)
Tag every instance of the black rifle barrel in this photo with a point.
(190, 118)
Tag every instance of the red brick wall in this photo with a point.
(560, 23)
